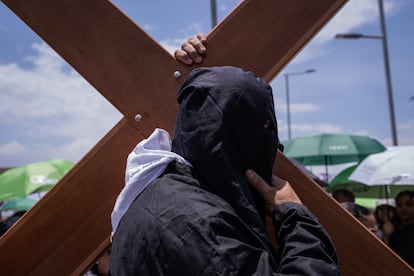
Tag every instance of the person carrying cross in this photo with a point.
(196, 204)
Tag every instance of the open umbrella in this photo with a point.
(331, 149)
(361, 190)
(32, 178)
(394, 166)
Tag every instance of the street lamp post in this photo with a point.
(383, 37)
(288, 97)
(213, 7)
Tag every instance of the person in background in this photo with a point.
(364, 215)
(386, 217)
(8, 223)
(402, 240)
(343, 195)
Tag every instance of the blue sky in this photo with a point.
(48, 111)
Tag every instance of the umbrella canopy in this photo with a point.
(35, 177)
(331, 149)
(392, 167)
(361, 190)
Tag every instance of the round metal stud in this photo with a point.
(177, 74)
(138, 117)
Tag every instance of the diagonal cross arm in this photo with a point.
(61, 234)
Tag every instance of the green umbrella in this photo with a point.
(32, 178)
(331, 149)
(360, 190)
(18, 204)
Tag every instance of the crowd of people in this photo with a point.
(392, 220)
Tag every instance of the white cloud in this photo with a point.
(299, 130)
(317, 128)
(173, 44)
(194, 27)
(224, 6)
(11, 149)
(353, 15)
(50, 92)
(303, 107)
(406, 132)
(362, 133)
(148, 27)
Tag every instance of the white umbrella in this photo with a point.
(395, 166)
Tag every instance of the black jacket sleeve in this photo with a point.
(304, 247)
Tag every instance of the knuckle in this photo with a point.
(179, 54)
(185, 45)
(192, 40)
(201, 37)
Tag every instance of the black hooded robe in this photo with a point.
(205, 219)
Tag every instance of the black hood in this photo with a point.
(226, 124)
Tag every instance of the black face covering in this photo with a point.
(226, 124)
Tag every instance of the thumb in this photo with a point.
(257, 182)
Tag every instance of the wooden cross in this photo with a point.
(70, 226)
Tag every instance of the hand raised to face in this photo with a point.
(279, 192)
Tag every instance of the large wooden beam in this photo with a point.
(135, 74)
